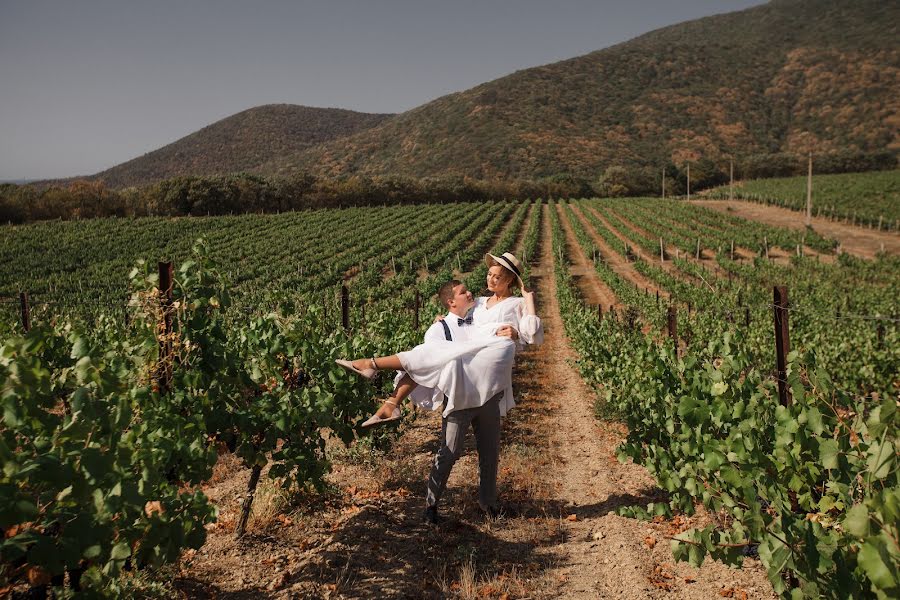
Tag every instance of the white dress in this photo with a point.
(471, 372)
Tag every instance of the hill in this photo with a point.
(789, 76)
(242, 142)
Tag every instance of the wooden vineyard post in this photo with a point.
(698, 249)
(809, 193)
(732, 249)
(672, 325)
(731, 179)
(657, 297)
(766, 245)
(782, 343)
(416, 314)
(248, 501)
(25, 310)
(345, 307)
(747, 317)
(458, 263)
(166, 276)
(662, 251)
(393, 265)
(689, 182)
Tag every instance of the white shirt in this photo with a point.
(428, 398)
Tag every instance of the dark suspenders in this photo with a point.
(449, 339)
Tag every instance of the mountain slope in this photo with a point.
(788, 76)
(242, 142)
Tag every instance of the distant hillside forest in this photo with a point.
(788, 76)
(250, 193)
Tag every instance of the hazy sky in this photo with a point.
(87, 84)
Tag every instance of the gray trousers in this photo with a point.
(485, 421)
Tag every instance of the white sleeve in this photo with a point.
(531, 330)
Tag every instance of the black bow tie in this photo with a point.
(466, 321)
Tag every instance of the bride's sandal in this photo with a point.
(368, 373)
(376, 421)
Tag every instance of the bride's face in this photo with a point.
(498, 280)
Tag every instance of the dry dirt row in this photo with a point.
(592, 289)
(616, 262)
(855, 240)
(363, 537)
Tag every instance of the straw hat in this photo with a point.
(509, 262)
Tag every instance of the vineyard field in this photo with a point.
(238, 361)
(869, 199)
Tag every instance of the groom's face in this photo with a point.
(462, 298)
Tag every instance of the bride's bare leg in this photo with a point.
(403, 389)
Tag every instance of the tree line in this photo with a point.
(250, 193)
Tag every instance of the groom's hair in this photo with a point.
(445, 293)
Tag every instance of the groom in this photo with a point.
(484, 419)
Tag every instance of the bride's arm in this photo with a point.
(529, 303)
(531, 330)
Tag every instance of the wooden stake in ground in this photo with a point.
(731, 179)
(345, 307)
(782, 343)
(809, 194)
(164, 373)
(26, 312)
(689, 181)
(672, 324)
(248, 501)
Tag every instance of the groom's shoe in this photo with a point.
(430, 517)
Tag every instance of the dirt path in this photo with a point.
(616, 261)
(559, 479)
(592, 289)
(855, 240)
